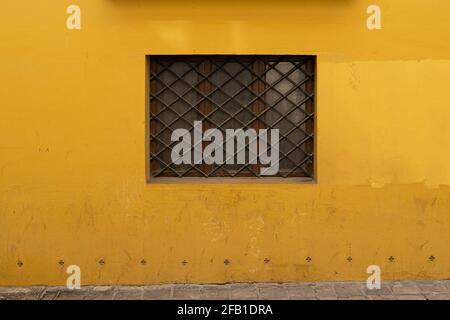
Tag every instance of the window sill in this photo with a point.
(228, 180)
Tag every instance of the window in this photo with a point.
(232, 116)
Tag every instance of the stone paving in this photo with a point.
(390, 290)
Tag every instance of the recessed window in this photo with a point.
(232, 116)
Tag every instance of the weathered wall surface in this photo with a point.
(72, 145)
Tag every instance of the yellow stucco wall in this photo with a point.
(72, 145)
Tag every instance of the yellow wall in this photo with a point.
(72, 145)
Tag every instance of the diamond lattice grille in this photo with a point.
(233, 92)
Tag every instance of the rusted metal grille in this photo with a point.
(232, 92)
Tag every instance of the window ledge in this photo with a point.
(228, 180)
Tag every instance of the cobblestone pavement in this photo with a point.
(392, 290)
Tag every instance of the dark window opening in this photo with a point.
(233, 92)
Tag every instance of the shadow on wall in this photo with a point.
(291, 10)
(228, 2)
